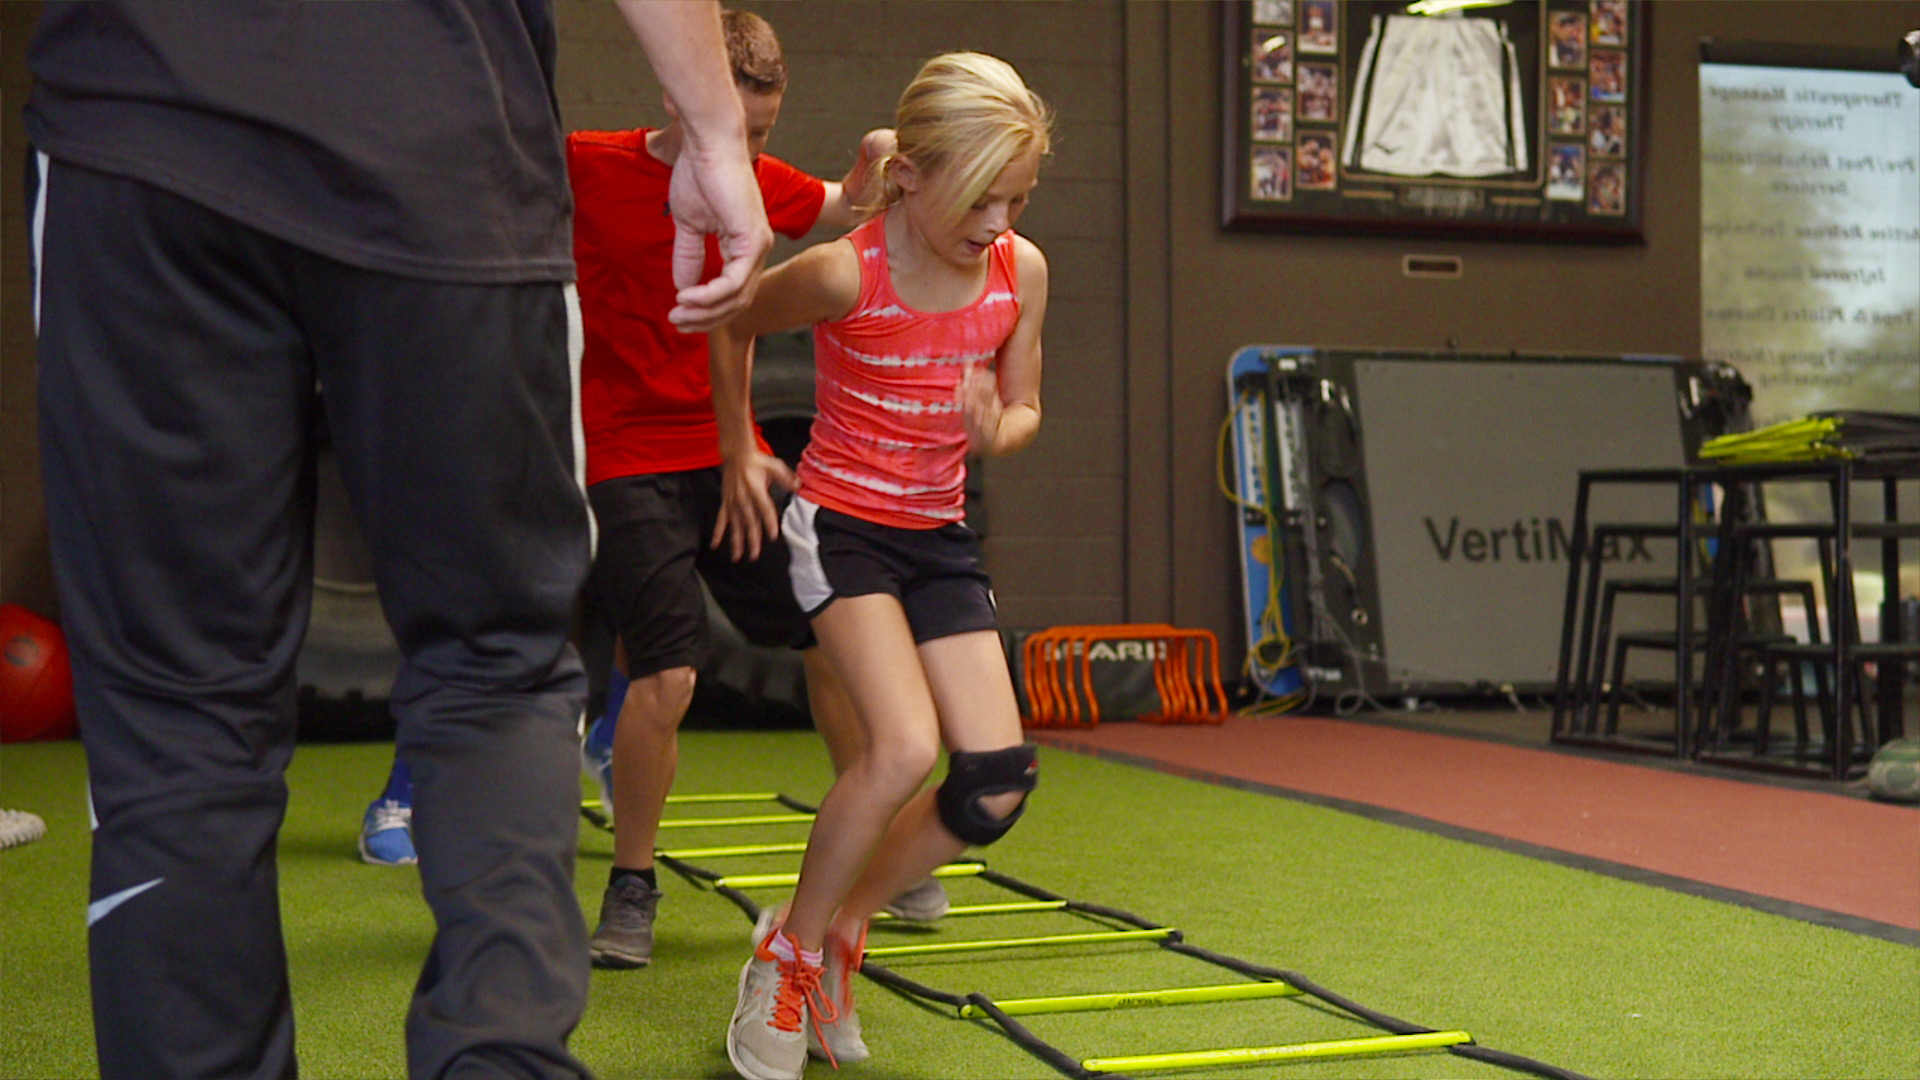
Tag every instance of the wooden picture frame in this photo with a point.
(1329, 113)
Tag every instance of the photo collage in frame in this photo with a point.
(1353, 115)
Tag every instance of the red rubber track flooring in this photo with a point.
(1830, 852)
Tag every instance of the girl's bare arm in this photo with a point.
(820, 283)
(1002, 410)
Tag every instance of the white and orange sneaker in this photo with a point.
(838, 1040)
(780, 994)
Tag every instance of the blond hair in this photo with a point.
(754, 51)
(962, 119)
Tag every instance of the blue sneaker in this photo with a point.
(596, 760)
(386, 834)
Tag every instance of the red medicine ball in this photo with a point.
(36, 679)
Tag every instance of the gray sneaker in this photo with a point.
(924, 903)
(766, 1040)
(838, 1040)
(624, 938)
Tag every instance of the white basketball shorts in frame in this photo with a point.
(1437, 96)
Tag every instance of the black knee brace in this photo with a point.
(974, 776)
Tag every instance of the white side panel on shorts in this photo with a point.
(810, 586)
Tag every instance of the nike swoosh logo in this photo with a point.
(104, 906)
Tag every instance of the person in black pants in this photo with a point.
(231, 203)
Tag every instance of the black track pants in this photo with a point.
(179, 354)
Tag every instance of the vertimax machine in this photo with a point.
(1405, 517)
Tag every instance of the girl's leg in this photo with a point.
(834, 716)
(972, 692)
(838, 723)
(867, 640)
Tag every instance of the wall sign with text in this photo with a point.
(1810, 226)
(1507, 120)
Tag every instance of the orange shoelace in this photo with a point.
(800, 987)
(852, 956)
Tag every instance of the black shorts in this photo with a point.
(934, 573)
(655, 550)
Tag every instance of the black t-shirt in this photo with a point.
(416, 137)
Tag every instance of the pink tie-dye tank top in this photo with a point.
(889, 445)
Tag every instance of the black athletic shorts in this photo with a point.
(655, 550)
(934, 573)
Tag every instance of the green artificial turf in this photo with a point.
(1602, 976)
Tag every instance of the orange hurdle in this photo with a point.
(1057, 672)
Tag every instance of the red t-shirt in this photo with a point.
(645, 398)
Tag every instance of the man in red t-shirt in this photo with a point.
(653, 469)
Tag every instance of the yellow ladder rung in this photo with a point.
(749, 819)
(1007, 908)
(1195, 1059)
(1020, 943)
(1133, 999)
(735, 851)
(769, 881)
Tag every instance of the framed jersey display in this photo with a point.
(1500, 119)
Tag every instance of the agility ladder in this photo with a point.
(1116, 926)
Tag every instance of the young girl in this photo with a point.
(927, 344)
